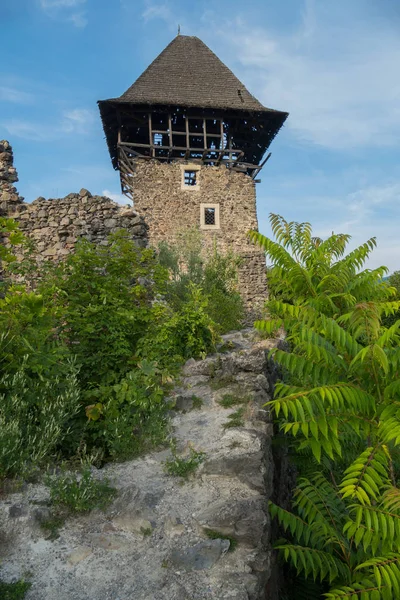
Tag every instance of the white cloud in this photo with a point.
(119, 198)
(51, 4)
(362, 211)
(335, 77)
(10, 94)
(28, 131)
(157, 11)
(79, 19)
(162, 11)
(61, 10)
(78, 120)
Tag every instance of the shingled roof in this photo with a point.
(187, 73)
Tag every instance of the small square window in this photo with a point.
(190, 178)
(209, 216)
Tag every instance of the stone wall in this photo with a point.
(9, 197)
(163, 207)
(55, 225)
(169, 207)
(153, 542)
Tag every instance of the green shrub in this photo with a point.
(212, 534)
(80, 492)
(229, 400)
(105, 294)
(129, 417)
(318, 273)
(339, 403)
(86, 357)
(216, 275)
(183, 466)
(14, 591)
(36, 417)
(235, 419)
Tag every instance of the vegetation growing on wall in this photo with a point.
(338, 403)
(87, 353)
(216, 275)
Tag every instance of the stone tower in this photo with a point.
(188, 140)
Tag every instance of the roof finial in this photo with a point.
(179, 30)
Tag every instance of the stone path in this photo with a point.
(151, 544)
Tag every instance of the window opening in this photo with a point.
(209, 216)
(190, 178)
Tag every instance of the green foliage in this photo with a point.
(87, 355)
(183, 466)
(215, 275)
(339, 404)
(309, 270)
(80, 492)
(235, 419)
(14, 591)
(51, 526)
(229, 400)
(105, 293)
(393, 281)
(212, 534)
(13, 237)
(177, 336)
(36, 417)
(353, 546)
(197, 402)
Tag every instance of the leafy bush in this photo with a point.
(183, 466)
(14, 591)
(80, 492)
(316, 272)
(176, 336)
(105, 294)
(13, 237)
(86, 356)
(35, 418)
(216, 275)
(339, 402)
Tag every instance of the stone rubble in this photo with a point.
(151, 543)
(55, 225)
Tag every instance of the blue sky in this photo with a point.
(334, 66)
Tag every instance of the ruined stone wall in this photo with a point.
(163, 207)
(55, 225)
(153, 542)
(169, 207)
(10, 200)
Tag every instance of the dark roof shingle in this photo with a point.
(187, 73)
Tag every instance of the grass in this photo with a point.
(13, 591)
(219, 384)
(216, 535)
(229, 400)
(235, 419)
(183, 466)
(52, 525)
(197, 402)
(80, 494)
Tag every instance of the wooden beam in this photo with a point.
(170, 130)
(150, 135)
(187, 132)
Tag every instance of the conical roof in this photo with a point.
(187, 73)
